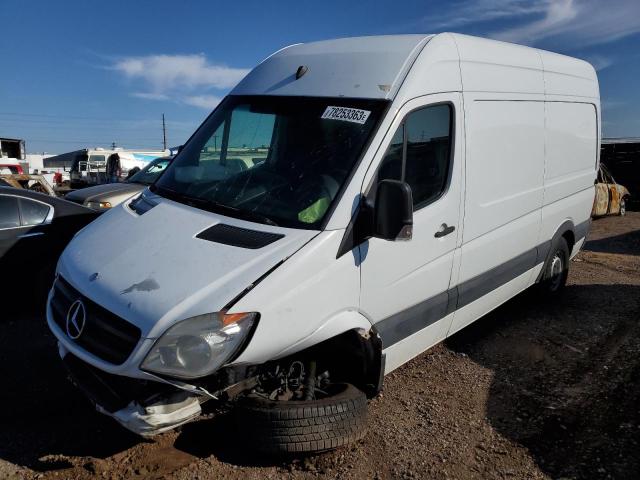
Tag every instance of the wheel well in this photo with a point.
(354, 357)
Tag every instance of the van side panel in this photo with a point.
(571, 149)
(504, 175)
(504, 195)
(571, 167)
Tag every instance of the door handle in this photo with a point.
(444, 230)
(32, 234)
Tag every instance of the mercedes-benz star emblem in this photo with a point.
(76, 318)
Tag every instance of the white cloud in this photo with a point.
(573, 23)
(469, 12)
(577, 23)
(167, 72)
(185, 79)
(600, 62)
(203, 101)
(150, 96)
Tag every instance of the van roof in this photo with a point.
(359, 67)
(376, 67)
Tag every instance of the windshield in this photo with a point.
(274, 160)
(151, 172)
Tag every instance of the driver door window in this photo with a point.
(420, 153)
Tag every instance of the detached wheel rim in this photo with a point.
(556, 271)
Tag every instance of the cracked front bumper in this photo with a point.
(166, 414)
(146, 408)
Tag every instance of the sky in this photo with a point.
(78, 74)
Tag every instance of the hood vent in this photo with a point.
(238, 237)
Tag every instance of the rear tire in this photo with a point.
(303, 427)
(623, 207)
(556, 268)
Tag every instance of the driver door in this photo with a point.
(404, 284)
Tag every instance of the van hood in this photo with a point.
(151, 270)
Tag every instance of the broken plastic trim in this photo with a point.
(166, 413)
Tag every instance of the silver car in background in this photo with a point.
(103, 197)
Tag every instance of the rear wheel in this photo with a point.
(556, 268)
(623, 207)
(303, 426)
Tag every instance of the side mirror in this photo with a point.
(393, 211)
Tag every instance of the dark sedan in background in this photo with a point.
(34, 229)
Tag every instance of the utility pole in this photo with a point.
(164, 134)
(113, 145)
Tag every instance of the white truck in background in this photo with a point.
(88, 166)
(13, 155)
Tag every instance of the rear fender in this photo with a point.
(566, 229)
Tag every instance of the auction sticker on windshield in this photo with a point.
(346, 114)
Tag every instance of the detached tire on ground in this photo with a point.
(303, 427)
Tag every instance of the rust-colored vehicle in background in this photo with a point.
(611, 198)
(35, 183)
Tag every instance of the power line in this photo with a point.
(13, 118)
(77, 117)
(63, 124)
(117, 137)
(85, 142)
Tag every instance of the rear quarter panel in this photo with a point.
(572, 145)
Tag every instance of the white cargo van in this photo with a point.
(350, 204)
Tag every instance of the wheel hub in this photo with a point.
(556, 270)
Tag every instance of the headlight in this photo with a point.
(199, 345)
(98, 205)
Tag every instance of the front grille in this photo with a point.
(105, 335)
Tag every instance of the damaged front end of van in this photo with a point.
(139, 341)
(182, 368)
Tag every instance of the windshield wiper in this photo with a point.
(243, 214)
(216, 207)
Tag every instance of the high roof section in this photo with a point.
(413, 65)
(493, 66)
(359, 67)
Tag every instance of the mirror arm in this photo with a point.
(360, 228)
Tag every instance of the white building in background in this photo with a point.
(36, 160)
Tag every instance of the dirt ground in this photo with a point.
(533, 390)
